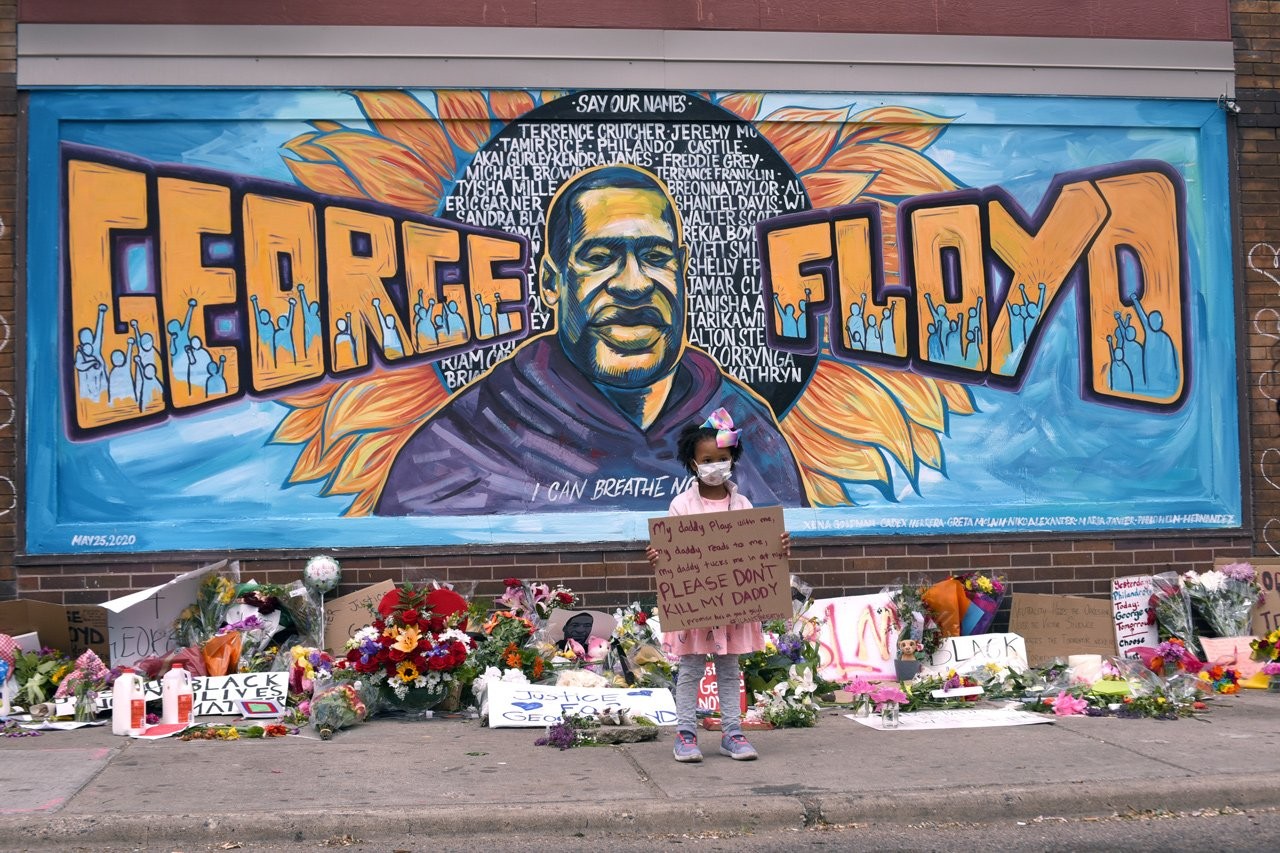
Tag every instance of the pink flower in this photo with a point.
(860, 687)
(1067, 705)
(1272, 668)
(887, 693)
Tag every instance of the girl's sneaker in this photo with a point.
(686, 748)
(736, 747)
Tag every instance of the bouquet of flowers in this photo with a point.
(534, 601)
(1224, 597)
(887, 692)
(916, 617)
(201, 620)
(635, 649)
(340, 704)
(321, 575)
(1170, 658)
(985, 592)
(1172, 609)
(506, 644)
(308, 666)
(415, 646)
(39, 674)
(1267, 648)
(789, 703)
(84, 683)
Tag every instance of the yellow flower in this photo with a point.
(984, 583)
(771, 648)
(407, 671)
(60, 673)
(407, 638)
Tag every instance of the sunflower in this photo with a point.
(851, 424)
(407, 672)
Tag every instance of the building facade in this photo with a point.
(435, 290)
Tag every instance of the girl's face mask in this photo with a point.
(715, 473)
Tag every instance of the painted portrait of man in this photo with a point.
(586, 416)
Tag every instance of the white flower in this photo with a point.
(1213, 581)
(802, 683)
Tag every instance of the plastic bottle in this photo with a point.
(176, 696)
(128, 703)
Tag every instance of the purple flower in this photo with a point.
(1239, 571)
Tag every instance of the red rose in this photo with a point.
(409, 617)
(510, 582)
(642, 618)
(388, 603)
(396, 655)
(565, 598)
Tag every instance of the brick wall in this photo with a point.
(611, 577)
(8, 311)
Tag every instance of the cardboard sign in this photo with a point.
(857, 637)
(514, 705)
(222, 695)
(70, 629)
(140, 624)
(1058, 626)
(347, 614)
(1131, 611)
(709, 691)
(721, 568)
(966, 654)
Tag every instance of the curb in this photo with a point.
(972, 804)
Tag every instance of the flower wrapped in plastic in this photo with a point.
(984, 592)
(306, 611)
(635, 649)
(534, 601)
(338, 705)
(1224, 597)
(201, 620)
(1172, 609)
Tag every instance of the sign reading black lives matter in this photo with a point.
(720, 568)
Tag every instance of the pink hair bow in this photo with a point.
(726, 435)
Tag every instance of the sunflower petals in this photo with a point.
(743, 104)
(388, 171)
(508, 104)
(324, 178)
(401, 117)
(466, 117)
(852, 404)
(905, 126)
(802, 136)
(830, 189)
(899, 171)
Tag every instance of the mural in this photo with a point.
(301, 318)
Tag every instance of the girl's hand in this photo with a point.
(786, 544)
(651, 554)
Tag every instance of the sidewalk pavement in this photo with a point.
(446, 776)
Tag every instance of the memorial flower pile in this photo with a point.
(1224, 597)
(39, 674)
(415, 646)
(337, 706)
(787, 646)
(1169, 658)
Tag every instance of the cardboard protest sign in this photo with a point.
(347, 614)
(1135, 623)
(1058, 626)
(966, 654)
(721, 568)
(857, 637)
(709, 691)
(222, 695)
(71, 629)
(539, 705)
(140, 624)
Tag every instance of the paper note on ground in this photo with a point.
(975, 718)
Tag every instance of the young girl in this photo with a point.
(708, 452)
